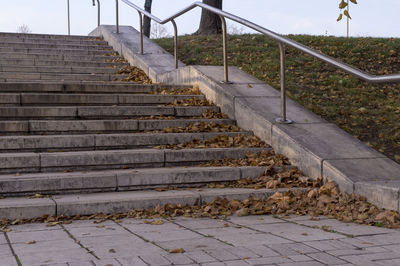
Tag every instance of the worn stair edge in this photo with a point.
(84, 87)
(118, 202)
(46, 36)
(56, 63)
(12, 76)
(308, 143)
(81, 112)
(63, 127)
(41, 56)
(102, 141)
(57, 69)
(62, 99)
(30, 162)
(120, 180)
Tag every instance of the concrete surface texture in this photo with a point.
(320, 149)
(252, 240)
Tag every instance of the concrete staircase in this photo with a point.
(67, 129)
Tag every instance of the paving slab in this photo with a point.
(138, 241)
(295, 232)
(346, 228)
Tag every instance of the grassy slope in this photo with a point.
(369, 112)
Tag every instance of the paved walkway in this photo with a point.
(253, 240)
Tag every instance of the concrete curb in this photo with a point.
(320, 149)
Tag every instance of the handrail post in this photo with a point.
(69, 20)
(175, 43)
(225, 50)
(283, 119)
(98, 12)
(117, 16)
(141, 32)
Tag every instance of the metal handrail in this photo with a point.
(282, 41)
(98, 11)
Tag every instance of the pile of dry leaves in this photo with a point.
(190, 102)
(134, 74)
(325, 200)
(221, 141)
(177, 91)
(202, 127)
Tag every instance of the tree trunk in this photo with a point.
(210, 23)
(147, 21)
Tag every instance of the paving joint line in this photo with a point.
(12, 249)
(79, 242)
(141, 237)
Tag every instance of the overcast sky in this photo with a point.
(317, 17)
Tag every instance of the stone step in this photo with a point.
(100, 112)
(46, 36)
(52, 127)
(120, 180)
(51, 41)
(84, 87)
(53, 51)
(60, 46)
(14, 76)
(58, 69)
(119, 202)
(58, 63)
(101, 141)
(60, 57)
(114, 159)
(62, 99)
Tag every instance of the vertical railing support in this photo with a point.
(141, 32)
(98, 13)
(175, 43)
(69, 20)
(283, 119)
(225, 50)
(117, 16)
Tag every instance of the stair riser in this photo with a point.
(121, 180)
(79, 204)
(25, 36)
(88, 99)
(100, 142)
(54, 63)
(54, 46)
(74, 87)
(92, 58)
(10, 40)
(59, 70)
(94, 126)
(12, 76)
(54, 51)
(14, 113)
(114, 159)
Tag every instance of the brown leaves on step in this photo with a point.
(315, 201)
(135, 75)
(116, 54)
(263, 158)
(221, 141)
(202, 127)
(178, 91)
(116, 60)
(275, 177)
(211, 114)
(190, 102)
(155, 117)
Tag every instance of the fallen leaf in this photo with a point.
(178, 250)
